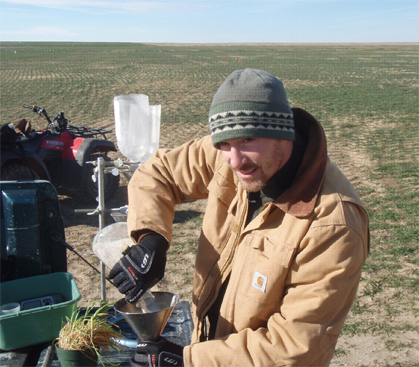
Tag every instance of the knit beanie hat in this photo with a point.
(250, 103)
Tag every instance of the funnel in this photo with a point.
(148, 325)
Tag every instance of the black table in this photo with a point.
(178, 330)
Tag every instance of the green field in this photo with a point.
(365, 96)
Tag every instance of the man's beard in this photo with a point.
(252, 184)
(266, 171)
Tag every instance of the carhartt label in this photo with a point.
(259, 281)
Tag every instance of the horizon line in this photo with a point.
(232, 43)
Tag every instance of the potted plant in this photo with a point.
(82, 337)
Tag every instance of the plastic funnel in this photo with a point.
(148, 325)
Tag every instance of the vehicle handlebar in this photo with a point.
(39, 111)
(60, 123)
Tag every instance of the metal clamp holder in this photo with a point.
(102, 167)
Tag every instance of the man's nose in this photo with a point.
(237, 159)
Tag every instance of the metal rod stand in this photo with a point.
(100, 167)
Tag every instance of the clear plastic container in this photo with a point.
(109, 245)
(155, 114)
(137, 126)
(7, 308)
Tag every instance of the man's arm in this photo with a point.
(168, 178)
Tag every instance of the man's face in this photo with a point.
(255, 160)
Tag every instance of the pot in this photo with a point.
(76, 358)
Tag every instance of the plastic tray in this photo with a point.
(41, 324)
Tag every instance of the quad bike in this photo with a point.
(60, 154)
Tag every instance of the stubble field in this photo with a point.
(365, 96)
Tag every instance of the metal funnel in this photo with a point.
(148, 325)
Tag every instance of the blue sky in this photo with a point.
(210, 21)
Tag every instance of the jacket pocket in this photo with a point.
(267, 259)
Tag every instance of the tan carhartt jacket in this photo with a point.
(294, 270)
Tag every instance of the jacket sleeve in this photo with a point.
(168, 178)
(320, 287)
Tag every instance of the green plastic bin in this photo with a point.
(41, 324)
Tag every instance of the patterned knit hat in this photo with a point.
(250, 104)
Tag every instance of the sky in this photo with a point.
(210, 21)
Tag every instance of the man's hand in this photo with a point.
(141, 267)
(161, 353)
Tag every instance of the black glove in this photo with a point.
(141, 267)
(161, 353)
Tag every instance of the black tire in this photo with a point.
(111, 182)
(17, 171)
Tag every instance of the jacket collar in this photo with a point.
(300, 199)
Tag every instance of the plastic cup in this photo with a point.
(9, 308)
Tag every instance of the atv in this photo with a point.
(60, 154)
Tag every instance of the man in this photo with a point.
(284, 236)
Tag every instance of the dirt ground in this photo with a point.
(358, 349)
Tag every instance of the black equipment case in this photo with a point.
(30, 220)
